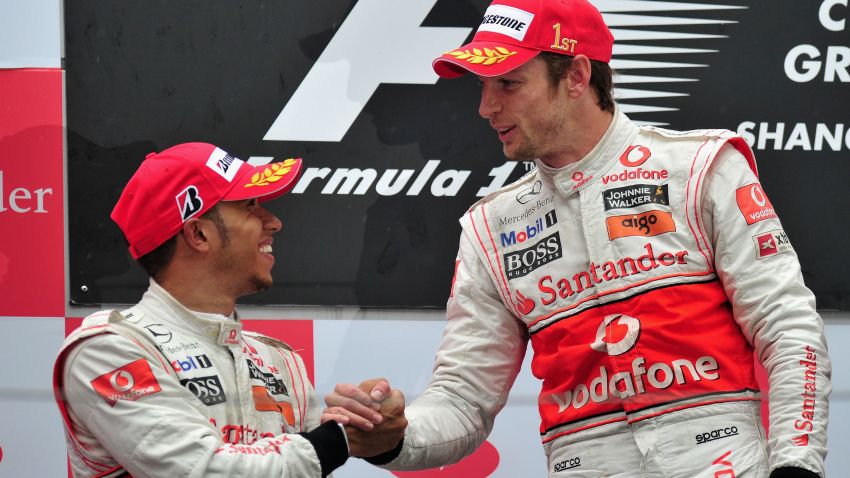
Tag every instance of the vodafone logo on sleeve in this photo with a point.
(130, 382)
(754, 204)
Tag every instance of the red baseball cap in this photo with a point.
(185, 181)
(515, 31)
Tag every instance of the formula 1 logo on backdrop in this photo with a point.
(382, 41)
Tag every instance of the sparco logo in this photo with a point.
(189, 202)
(513, 237)
(635, 195)
(522, 262)
(716, 434)
(207, 389)
(567, 464)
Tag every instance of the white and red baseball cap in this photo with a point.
(185, 181)
(515, 31)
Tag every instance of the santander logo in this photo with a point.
(524, 305)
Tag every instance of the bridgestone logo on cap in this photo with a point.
(224, 164)
(506, 20)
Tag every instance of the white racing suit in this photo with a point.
(157, 390)
(644, 275)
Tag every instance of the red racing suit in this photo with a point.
(644, 275)
(158, 390)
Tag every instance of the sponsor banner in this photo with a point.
(396, 179)
(32, 441)
(32, 258)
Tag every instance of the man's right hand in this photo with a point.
(373, 414)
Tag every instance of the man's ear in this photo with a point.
(578, 76)
(196, 235)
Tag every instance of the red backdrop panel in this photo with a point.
(32, 261)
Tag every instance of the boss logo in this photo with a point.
(522, 262)
(208, 389)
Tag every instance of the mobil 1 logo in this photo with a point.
(522, 262)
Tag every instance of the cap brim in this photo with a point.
(265, 182)
(483, 58)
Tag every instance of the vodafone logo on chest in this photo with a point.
(633, 159)
(616, 335)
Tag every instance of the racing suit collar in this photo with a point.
(576, 176)
(220, 329)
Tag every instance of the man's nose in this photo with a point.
(270, 221)
(489, 104)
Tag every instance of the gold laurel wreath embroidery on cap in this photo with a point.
(271, 174)
(487, 57)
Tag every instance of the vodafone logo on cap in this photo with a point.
(616, 334)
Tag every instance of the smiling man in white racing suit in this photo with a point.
(173, 386)
(646, 266)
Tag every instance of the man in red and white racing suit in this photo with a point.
(645, 266)
(173, 386)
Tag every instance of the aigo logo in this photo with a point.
(649, 223)
(634, 156)
(616, 335)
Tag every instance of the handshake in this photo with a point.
(372, 413)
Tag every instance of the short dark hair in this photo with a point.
(601, 76)
(156, 260)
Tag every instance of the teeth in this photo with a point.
(267, 248)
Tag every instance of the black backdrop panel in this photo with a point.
(142, 76)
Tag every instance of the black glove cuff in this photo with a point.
(329, 442)
(386, 456)
(793, 472)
